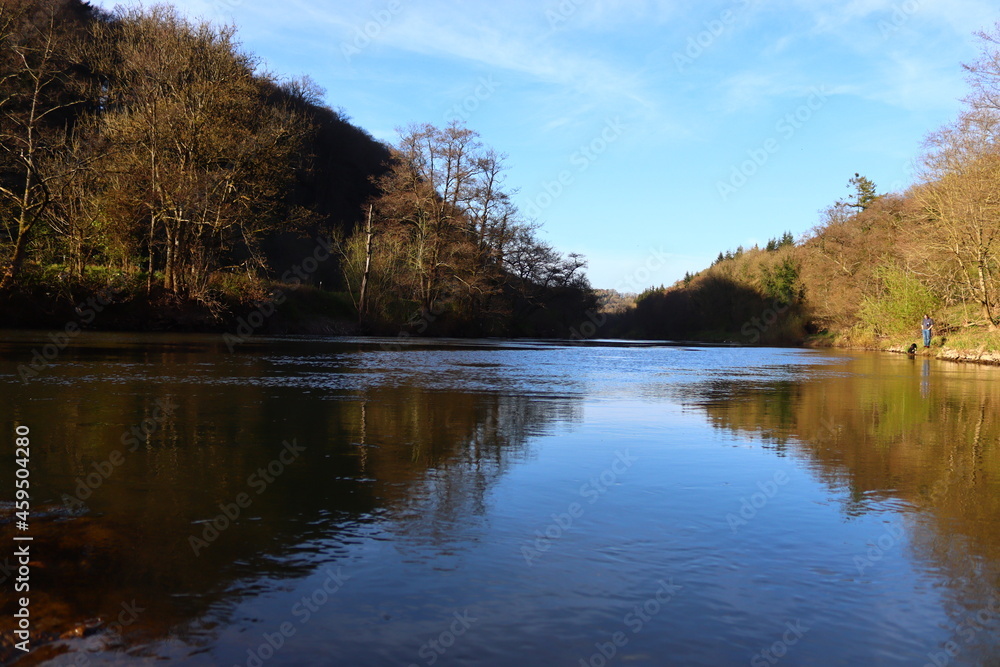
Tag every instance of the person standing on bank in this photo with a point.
(928, 325)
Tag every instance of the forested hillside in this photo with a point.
(146, 156)
(875, 263)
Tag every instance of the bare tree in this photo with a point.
(206, 157)
(962, 204)
(36, 47)
(445, 202)
(424, 200)
(984, 73)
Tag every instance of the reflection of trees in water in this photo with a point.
(888, 431)
(764, 410)
(383, 458)
(453, 483)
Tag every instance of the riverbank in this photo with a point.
(979, 355)
(977, 344)
(282, 309)
(125, 307)
(235, 303)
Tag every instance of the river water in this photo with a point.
(406, 502)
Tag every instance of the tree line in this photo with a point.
(444, 231)
(875, 262)
(148, 149)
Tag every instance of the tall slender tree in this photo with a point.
(36, 102)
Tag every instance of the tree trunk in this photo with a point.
(76, 248)
(17, 259)
(985, 294)
(169, 278)
(150, 266)
(24, 222)
(368, 264)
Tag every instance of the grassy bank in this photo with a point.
(956, 338)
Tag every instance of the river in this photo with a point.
(300, 501)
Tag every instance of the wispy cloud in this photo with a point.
(518, 51)
(751, 89)
(606, 15)
(912, 83)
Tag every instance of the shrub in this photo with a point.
(898, 305)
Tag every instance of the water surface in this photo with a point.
(386, 502)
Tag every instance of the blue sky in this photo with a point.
(647, 135)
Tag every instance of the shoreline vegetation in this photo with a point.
(154, 178)
(146, 154)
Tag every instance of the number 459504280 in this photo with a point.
(22, 458)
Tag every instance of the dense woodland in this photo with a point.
(147, 154)
(875, 263)
(146, 158)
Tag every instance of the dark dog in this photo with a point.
(912, 350)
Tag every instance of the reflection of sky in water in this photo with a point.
(441, 462)
(538, 368)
